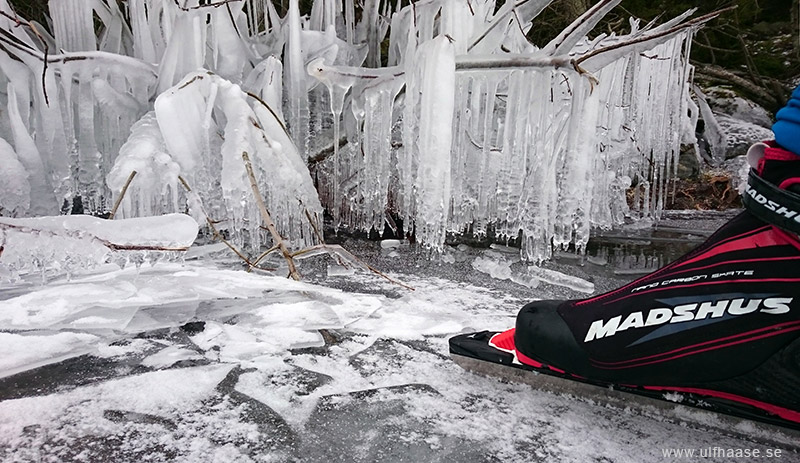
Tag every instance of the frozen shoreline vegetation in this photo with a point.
(72, 243)
(467, 124)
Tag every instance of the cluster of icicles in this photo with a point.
(467, 125)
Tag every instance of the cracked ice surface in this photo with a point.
(116, 366)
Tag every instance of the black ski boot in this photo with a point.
(720, 326)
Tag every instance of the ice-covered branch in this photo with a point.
(648, 41)
(267, 218)
(511, 61)
(216, 4)
(66, 244)
(14, 47)
(508, 12)
(569, 37)
(173, 232)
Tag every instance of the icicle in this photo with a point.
(229, 53)
(73, 25)
(350, 21)
(90, 160)
(185, 51)
(377, 173)
(266, 82)
(373, 36)
(15, 190)
(154, 190)
(144, 46)
(434, 83)
(42, 201)
(339, 80)
(295, 79)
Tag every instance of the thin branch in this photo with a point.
(336, 250)
(274, 114)
(505, 61)
(266, 253)
(44, 68)
(518, 21)
(276, 237)
(121, 195)
(35, 31)
(208, 5)
(707, 45)
(219, 236)
(324, 153)
(320, 238)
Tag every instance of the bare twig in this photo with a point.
(183, 182)
(44, 67)
(266, 253)
(338, 251)
(318, 234)
(269, 108)
(276, 237)
(121, 195)
(207, 5)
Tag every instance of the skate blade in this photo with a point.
(658, 409)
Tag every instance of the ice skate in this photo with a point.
(719, 328)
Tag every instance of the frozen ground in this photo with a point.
(199, 361)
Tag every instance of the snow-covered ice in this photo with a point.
(197, 361)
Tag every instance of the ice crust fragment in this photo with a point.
(69, 243)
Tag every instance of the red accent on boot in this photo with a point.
(504, 341)
(767, 237)
(789, 182)
(775, 153)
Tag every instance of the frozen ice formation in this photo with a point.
(467, 125)
(74, 242)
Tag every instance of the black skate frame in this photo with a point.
(699, 412)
